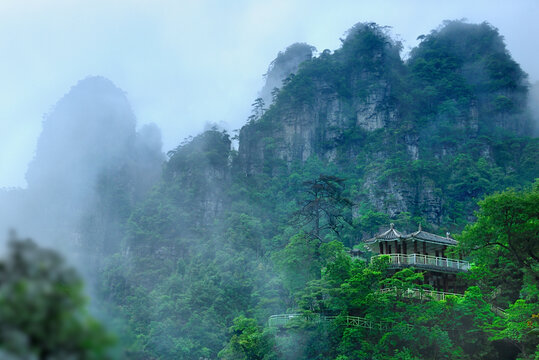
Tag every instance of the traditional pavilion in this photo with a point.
(423, 251)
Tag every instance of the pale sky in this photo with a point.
(186, 63)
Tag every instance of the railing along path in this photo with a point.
(421, 294)
(424, 294)
(282, 320)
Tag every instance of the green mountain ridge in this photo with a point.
(418, 120)
(354, 139)
(416, 141)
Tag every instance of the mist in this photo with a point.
(88, 146)
(181, 81)
(533, 104)
(111, 156)
(164, 86)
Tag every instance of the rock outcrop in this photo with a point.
(363, 104)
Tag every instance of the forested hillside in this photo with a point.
(352, 140)
(228, 237)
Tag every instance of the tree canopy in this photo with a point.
(42, 308)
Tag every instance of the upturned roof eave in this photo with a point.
(434, 239)
(378, 240)
(393, 235)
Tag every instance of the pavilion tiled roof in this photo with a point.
(433, 238)
(393, 235)
(390, 235)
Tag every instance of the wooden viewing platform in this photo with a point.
(424, 251)
(425, 262)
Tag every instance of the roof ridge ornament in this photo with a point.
(392, 225)
(419, 227)
(447, 234)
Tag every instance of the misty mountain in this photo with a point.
(88, 157)
(423, 134)
(193, 254)
(409, 141)
(90, 128)
(533, 102)
(284, 65)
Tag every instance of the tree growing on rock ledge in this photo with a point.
(325, 207)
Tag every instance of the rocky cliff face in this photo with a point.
(316, 108)
(202, 170)
(363, 106)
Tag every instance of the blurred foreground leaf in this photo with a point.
(42, 308)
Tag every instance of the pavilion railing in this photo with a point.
(427, 261)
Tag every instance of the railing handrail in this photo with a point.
(414, 292)
(348, 320)
(427, 260)
(422, 256)
(440, 295)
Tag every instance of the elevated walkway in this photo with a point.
(423, 294)
(282, 320)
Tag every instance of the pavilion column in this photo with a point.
(381, 248)
(424, 248)
(404, 248)
(415, 247)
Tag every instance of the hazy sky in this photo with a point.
(186, 63)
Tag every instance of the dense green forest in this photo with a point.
(354, 139)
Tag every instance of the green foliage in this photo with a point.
(504, 240)
(325, 207)
(211, 148)
(520, 326)
(463, 327)
(299, 261)
(42, 308)
(214, 249)
(248, 342)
